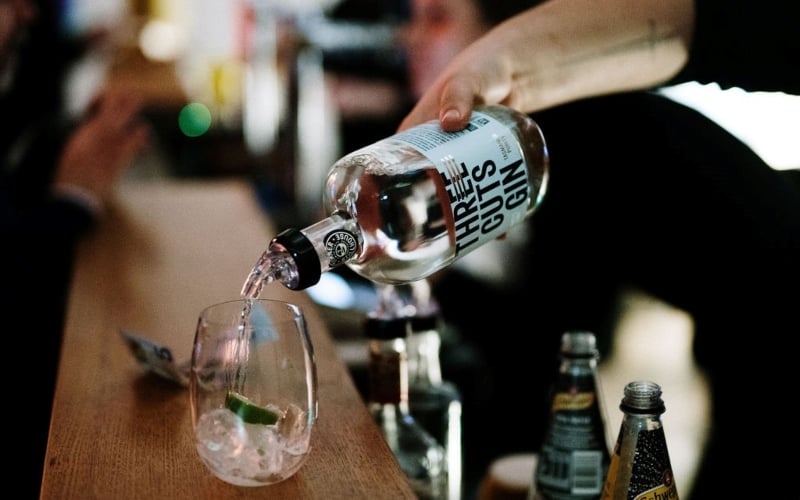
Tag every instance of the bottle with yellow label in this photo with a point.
(574, 457)
(640, 467)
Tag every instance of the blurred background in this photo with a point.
(276, 91)
(256, 88)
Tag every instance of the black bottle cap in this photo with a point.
(423, 323)
(386, 329)
(304, 255)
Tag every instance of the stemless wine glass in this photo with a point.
(253, 390)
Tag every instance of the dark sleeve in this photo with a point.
(751, 44)
(45, 219)
(38, 249)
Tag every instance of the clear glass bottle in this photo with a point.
(574, 458)
(411, 204)
(640, 466)
(420, 456)
(434, 402)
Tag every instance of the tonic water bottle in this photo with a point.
(640, 467)
(411, 204)
(420, 456)
(574, 457)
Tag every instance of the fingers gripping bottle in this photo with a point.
(411, 204)
(640, 467)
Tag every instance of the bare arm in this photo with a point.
(559, 51)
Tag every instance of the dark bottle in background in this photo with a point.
(574, 457)
(434, 402)
(421, 457)
(640, 466)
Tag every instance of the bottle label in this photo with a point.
(610, 486)
(574, 457)
(387, 378)
(652, 472)
(647, 473)
(660, 492)
(341, 246)
(484, 174)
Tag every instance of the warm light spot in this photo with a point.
(161, 41)
(768, 122)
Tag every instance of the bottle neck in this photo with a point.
(579, 354)
(643, 421)
(423, 358)
(578, 366)
(642, 397)
(297, 258)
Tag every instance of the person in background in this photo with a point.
(644, 193)
(54, 183)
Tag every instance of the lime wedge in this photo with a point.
(248, 411)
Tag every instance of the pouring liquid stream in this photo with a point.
(259, 277)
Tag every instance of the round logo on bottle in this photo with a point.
(341, 246)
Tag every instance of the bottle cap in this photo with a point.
(579, 345)
(386, 329)
(424, 323)
(304, 255)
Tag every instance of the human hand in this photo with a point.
(102, 147)
(476, 76)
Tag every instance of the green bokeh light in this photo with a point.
(194, 119)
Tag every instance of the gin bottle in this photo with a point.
(411, 204)
(434, 402)
(574, 457)
(420, 456)
(640, 466)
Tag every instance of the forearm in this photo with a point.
(561, 51)
(565, 50)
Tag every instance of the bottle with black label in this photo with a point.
(574, 457)
(640, 467)
(411, 204)
(420, 455)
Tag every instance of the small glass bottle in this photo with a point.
(420, 456)
(409, 205)
(640, 467)
(434, 402)
(574, 457)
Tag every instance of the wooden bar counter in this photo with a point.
(164, 251)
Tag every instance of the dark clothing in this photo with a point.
(39, 235)
(749, 44)
(39, 238)
(648, 194)
(37, 255)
